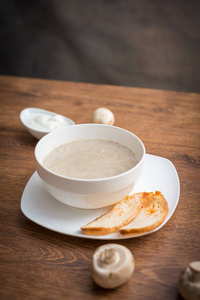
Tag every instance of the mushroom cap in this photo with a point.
(103, 116)
(112, 265)
(189, 281)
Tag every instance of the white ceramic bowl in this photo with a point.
(29, 112)
(89, 193)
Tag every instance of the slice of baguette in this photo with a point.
(154, 211)
(121, 214)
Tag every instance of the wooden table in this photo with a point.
(37, 263)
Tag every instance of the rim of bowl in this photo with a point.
(90, 179)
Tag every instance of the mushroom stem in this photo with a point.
(109, 256)
(195, 271)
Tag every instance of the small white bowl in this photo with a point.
(89, 193)
(27, 113)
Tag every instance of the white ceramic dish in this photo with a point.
(89, 193)
(29, 112)
(40, 207)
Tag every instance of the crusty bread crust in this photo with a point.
(154, 211)
(121, 214)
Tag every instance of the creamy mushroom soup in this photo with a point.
(90, 159)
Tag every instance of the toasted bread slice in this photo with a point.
(154, 211)
(121, 214)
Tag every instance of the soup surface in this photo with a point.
(90, 159)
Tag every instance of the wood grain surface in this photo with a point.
(36, 263)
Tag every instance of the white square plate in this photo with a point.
(39, 206)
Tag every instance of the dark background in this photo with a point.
(152, 44)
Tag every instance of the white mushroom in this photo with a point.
(112, 265)
(189, 281)
(103, 116)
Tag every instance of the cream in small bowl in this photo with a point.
(89, 165)
(40, 122)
